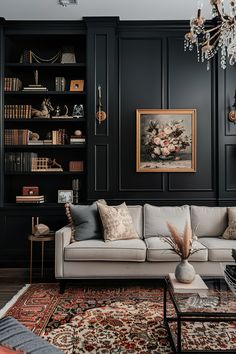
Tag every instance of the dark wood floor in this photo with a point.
(13, 279)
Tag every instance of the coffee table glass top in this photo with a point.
(217, 299)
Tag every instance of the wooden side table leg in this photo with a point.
(42, 259)
(31, 260)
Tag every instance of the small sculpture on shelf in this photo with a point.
(36, 87)
(58, 111)
(45, 164)
(78, 111)
(46, 108)
(33, 136)
(53, 164)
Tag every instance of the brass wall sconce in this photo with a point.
(100, 115)
(232, 114)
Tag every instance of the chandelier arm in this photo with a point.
(209, 40)
(218, 11)
(213, 29)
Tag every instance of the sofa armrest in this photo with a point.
(62, 239)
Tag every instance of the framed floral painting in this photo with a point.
(166, 140)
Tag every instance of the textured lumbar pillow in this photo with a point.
(230, 232)
(84, 221)
(117, 222)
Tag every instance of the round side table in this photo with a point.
(42, 239)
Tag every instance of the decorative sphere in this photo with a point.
(78, 132)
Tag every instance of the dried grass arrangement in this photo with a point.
(182, 245)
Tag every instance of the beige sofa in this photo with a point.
(149, 256)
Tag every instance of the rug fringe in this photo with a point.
(13, 300)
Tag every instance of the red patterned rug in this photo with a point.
(110, 320)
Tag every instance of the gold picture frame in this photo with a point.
(166, 140)
(77, 85)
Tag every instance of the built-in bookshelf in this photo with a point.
(45, 123)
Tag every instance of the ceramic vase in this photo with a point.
(184, 272)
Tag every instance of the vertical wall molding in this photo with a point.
(102, 70)
(2, 54)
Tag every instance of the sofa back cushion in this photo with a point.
(136, 213)
(156, 218)
(208, 221)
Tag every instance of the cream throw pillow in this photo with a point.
(117, 222)
(230, 232)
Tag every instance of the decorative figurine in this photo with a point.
(46, 108)
(78, 111)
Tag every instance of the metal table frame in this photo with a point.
(191, 317)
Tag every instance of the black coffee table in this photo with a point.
(218, 304)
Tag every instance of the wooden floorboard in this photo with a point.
(13, 279)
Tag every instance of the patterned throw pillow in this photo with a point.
(117, 222)
(230, 232)
(84, 221)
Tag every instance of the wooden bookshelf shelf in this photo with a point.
(45, 65)
(44, 93)
(44, 120)
(44, 146)
(46, 173)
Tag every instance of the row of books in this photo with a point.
(60, 83)
(30, 199)
(15, 111)
(19, 161)
(12, 84)
(22, 137)
(16, 136)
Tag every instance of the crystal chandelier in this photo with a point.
(221, 37)
(65, 3)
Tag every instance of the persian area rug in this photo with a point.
(110, 320)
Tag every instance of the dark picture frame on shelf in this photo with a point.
(165, 140)
(77, 85)
(65, 196)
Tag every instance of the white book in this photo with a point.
(196, 285)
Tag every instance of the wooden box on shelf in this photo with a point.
(76, 166)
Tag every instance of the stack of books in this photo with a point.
(35, 88)
(30, 199)
(60, 83)
(197, 284)
(75, 139)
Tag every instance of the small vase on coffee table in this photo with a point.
(184, 272)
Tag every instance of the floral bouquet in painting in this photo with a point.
(164, 141)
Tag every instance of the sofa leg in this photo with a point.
(62, 286)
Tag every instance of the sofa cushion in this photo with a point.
(85, 221)
(208, 221)
(136, 213)
(230, 232)
(117, 222)
(219, 250)
(98, 250)
(160, 251)
(156, 218)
